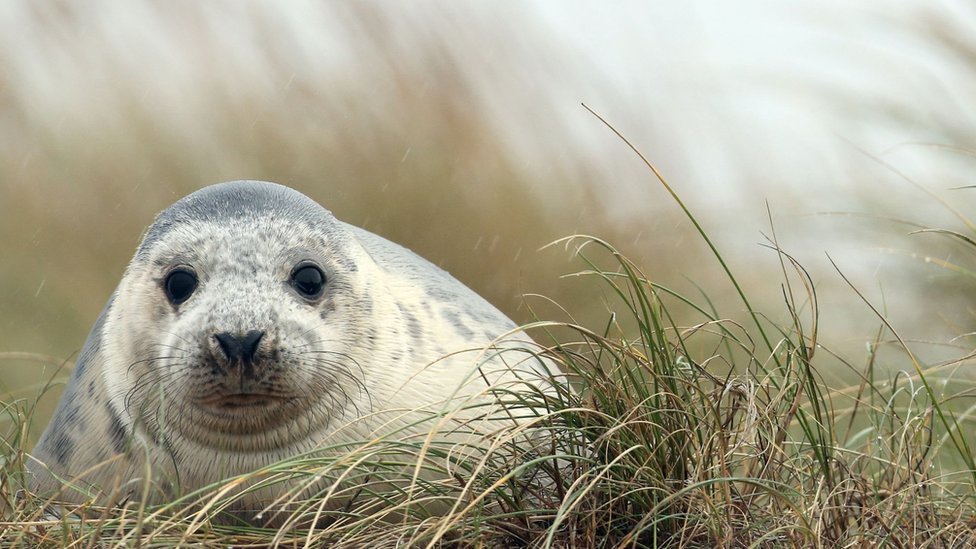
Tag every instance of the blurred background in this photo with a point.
(456, 129)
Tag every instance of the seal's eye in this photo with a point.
(308, 280)
(180, 285)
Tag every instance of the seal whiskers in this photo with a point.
(251, 325)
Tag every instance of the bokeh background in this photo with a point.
(456, 129)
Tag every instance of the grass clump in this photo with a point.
(656, 435)
(653, 434)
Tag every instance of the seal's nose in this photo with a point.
(238, 347)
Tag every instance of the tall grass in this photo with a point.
(651, 433)
(663, 436)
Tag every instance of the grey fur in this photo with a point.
(236, 199)
(375, 341)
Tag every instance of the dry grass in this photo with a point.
(685, 428)
(712, 434)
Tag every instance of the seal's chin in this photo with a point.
(247, 421)
(243, 400)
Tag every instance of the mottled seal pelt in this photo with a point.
(251, 325)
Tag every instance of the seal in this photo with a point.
(250, 326)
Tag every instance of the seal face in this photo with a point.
(250, 326)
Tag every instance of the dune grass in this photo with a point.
(677, 436)
(714, 434)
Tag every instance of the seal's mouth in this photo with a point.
(244, 400)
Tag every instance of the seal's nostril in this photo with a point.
(228, 344)
(236, 347)
(249, 346)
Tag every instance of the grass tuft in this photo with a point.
(653, 434)
(659, 436)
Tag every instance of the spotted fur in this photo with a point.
(143, 389)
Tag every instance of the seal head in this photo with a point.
(244, 305)
(252, 325)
